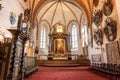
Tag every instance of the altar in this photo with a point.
(59, 43)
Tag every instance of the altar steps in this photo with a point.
(63, 63)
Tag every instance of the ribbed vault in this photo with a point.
(63, 11)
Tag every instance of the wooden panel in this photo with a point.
(112, 50)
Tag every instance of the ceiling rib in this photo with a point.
(63, 12)
(47, 10)
(54, 13)
(71, 11)
(73, 4)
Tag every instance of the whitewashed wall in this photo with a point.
(115, 16)
(15, 6)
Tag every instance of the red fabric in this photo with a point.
(65, 73)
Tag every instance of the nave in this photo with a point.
(59, 33)
(65, 73)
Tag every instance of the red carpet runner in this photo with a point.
(65, 73)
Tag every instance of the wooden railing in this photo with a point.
(30, 65)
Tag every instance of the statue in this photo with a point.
(36, 50)
(20, 21)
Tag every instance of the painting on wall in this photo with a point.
(12, 18)
(112, 50)
(59, 46)
(96, 57)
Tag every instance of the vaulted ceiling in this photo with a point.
(63, 11)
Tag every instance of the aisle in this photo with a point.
(65, 73)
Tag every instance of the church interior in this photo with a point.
(59, 40)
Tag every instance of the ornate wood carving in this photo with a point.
(27, 15)
(20, 21)
(98, 37)
(107, 8)
(5, 52)
(1, 53)
(110, 29)
(97, 17)
(17, 56)
(95, 2)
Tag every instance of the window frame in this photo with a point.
(74, 37)
(43, 37)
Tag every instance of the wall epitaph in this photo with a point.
(98, 37)
(97, 17)
(110, 29)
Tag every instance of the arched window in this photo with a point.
(43, 37)
(74, 37)
(84, 34)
